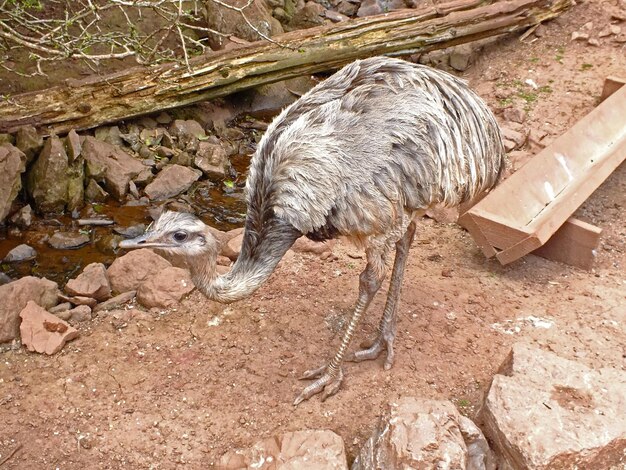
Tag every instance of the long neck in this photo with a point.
(261, 251)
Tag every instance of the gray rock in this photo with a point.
(65, 306)
(12, 165)
(29, 142)
(347, 8)
(171, 181)
(211, 159)
(335, 17)
(23, 217)
(79, 314)
(165, 289)
(514, 114)
(301, 450)
(309, 16)
(109, 134)
(377, 7)
(128, 271)
(68, 240)
(186, 129)
(4, 279)
(545, 412)
(115, 302)
(462, 57)
(94, 192)
(73, 146)
(424, 434)
(21, 252)
(131, 231)
(48, 178)
(110, 165)
(15, 295)
(92, 282)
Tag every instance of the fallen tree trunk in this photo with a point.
(98, 100)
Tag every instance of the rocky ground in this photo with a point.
(180, 386)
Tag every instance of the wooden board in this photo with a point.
(526, 210)
(575, 243)
(611, 85)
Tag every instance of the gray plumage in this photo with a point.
(360, 155)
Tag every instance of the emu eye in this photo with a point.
(180, 236)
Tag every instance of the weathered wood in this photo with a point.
(98, 100)
(575, 243)
(527, 209)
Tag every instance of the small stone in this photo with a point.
(20, 253)
(462, 57)
(92, 282)
(79, 314)
(23, 217)
(94, 193)
(60, 308)
(335, 16)
(577, 35)
(128, 271)
(165, 289)
(172, 181)
(115, 302)
(593, 42)
(514, 114)
(43, 332)
(68, 240)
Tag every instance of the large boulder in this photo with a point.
(92, 282)
(172, 181)
(12, 165)
(15, 295)
(165, 289)
(48, 178)
(128, 271)
(43, 332)
(300, 450)
(110, 165)
(28, 140)
(545, 412)
(424, 434)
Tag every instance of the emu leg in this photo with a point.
(388, 324)
(329, 377)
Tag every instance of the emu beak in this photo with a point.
(138, 242)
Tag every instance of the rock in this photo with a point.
(110, 165)
(304, 245)
(131, 231)
(517, 138)
(211, 159)
(95, 193)
(92, 282)
(23, 217)
(309, 16)
(6, 138)
(545, 412)
(424, 434)
(68, 240)
(12, 165)
(15, 295)
(519, 158)
(21, 252)
(172, 181)
(163, 118)
(127, 272)
(4, 279)
(462, 57)
(377, 7)
(301, 450)
(228, 22)
(79, 314)
(165, 289)
(81, 300)
(115, 302)
(579, 36)
(233, 247)
(514, 114)
(110, 135)
(65, 306)
(43, 332)
(184, 130)
(335, 17)
(73, 146)
(29, 142)
(347, 8)
(48, 178)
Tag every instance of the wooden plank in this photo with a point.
(518, 250)
(575, 243)
(467, 222)
(611, 85)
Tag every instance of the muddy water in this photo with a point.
(219, 203)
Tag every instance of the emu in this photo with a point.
(361, 155)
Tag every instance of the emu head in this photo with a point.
(178, 234)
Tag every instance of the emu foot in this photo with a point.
(328, 382)
(384, 341)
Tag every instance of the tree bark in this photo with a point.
(82, 104)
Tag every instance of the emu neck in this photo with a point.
(260, 253)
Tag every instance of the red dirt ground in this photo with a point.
(177, 389)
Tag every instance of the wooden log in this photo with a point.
(94, 101)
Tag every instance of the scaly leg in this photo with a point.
(387, 328)
(329, 377)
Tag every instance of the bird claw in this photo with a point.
(328, 382)
(381, 343)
